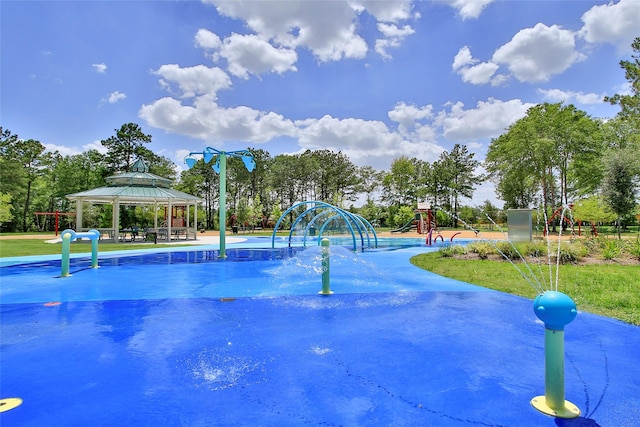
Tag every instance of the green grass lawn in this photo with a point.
(24, 247)
(606, 289)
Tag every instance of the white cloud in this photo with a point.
(489, 119)
(206, 120)
(329, 29)
(62, 149)
(206, 39)
(366, 142)
(95, 145)
(115, 97)
(589, 98)
(463, 58)
(615, 23)
(558, 95)
(535, 54)
(479, 74)
(471, 72)
(387, 11)
(194, 81)
(100, 68)
(326, 28)
(252, 55)
(72, 151)
(469, 8)
(394, 36)
(407, 115)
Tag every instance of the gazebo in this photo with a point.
(141, 188)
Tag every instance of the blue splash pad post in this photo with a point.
(556, 310)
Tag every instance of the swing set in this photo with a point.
(57, 216)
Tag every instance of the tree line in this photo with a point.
(35, 180)
(556, 155)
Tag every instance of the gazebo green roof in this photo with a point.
(138, 187)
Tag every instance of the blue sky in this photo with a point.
(373, 79)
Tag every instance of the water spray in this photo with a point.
(326, 285)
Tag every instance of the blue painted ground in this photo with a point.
(186, 340)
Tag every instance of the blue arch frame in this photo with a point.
(361, 225)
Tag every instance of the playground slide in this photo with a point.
(407, 227)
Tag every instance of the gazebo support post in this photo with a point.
(78, 215)
(115, 221)
(195, 221)
(169, 217)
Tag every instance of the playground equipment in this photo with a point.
(431, 239)
(57, 216)
(69, 236)
(319, 215)
(569, 222)
(424, 220)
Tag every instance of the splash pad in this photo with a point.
(394, 345)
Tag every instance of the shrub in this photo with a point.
(579, 249)
(535, 249)
(567, 255)
(611, 249)
(508, 250)
(451, 250)
(633, 248)
(482, 249)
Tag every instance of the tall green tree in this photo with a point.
(620, 183)
(23, 161)
(125, 146)
(259, 177)
(336, 178)
(630, 103)
(459, 168)
(203, 181)
(369, 182)
(158, 165)
(399, 185)
(5, 208)
(433, 181)
(553, 152)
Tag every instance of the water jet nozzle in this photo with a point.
(555, 309)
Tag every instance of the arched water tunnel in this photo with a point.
(318, 219)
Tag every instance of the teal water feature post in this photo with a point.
(220, 166)
(69, 236)
(326, 270)
(556, 310)
(222, 158)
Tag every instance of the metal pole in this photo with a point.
(66, 249)
(223, 203)
(94, 248)
(554, 368)
(326, 285)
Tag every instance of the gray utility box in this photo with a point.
(520, 225)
